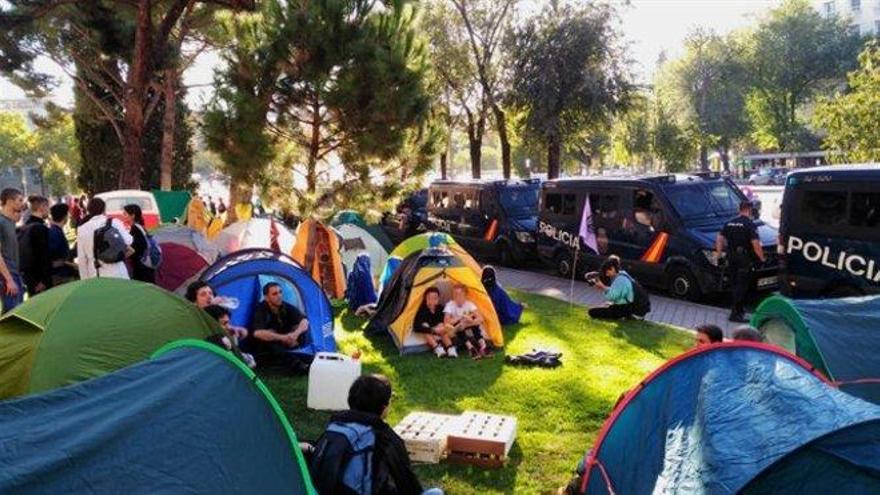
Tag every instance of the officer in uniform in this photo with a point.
(739, 240)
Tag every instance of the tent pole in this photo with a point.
(573, 274)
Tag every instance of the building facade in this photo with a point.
(863, 15)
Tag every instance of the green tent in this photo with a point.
(86, 329)
(355, 218)
(172, 204)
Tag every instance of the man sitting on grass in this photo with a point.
(276, 328)
(429, 324)
(708, 335)
(359, 453)
(464, 320)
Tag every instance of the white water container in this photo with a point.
(330, 376)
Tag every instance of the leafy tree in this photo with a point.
(670, 144)
(17, 144)
(235, 123)
(631, 134)
(354, 83)
(486, 22)
(708, 87)
(850, 119)
(568, 74)
(115, 51)
(793, 54)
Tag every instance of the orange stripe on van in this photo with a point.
(655, 251)
(492, 232)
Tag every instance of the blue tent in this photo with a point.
(736, 418)
(359, 290)
(240, 277)
(193, 419)
(840, 337)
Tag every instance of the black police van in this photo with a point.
(663, 228)
(409, 218)
(493, 219)
(830, 231)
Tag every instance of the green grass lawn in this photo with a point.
(559, 411)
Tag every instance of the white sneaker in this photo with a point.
(452, 352)
(439, 351)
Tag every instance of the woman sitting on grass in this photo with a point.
(428, 323)
(464, 320)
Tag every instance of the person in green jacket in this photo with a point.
(619, 290)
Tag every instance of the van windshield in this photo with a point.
(519, 202)
(694, 201)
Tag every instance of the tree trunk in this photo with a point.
(239, 192)
(704, 158)
(443, 174)
(725, 158)
(553, 153)
(501, 125)
(169, 128)
(314, 149)
(475, 142)
(133, 99)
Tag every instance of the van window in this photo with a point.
(471, 202)
(569, 204)
(865, 210)
(824, 208)
(458, 200)
(437, 199)
(553, 203)
(444, 202)
(605, 206)
(643, 211)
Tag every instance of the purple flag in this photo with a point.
(586, 231)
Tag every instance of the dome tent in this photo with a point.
(240, 277)
(736, 417)
(164, 425)
(88, 328)
(317, 251)
(357, 241)
(402, 297)
(253, 233)
(354, 218)
(420, 242)
(837, 336)
(185, 253)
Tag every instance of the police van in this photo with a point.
(662, 227)
(493, 219)
(830, 231)
(408, 219)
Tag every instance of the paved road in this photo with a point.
(665, 310)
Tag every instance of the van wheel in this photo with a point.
(682, 284)
(563, 265)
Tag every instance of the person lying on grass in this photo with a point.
(429, 325)
(463, 320)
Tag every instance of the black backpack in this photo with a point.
(641, 300)
(110, 247)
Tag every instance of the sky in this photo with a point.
(649, 28)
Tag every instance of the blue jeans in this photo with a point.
(10, 302)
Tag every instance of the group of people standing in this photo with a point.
(36, 252)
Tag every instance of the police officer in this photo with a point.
(739, 239)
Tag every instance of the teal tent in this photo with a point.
(193, 419)
(355, 218)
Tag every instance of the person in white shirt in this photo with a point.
(85, 244)
(464, 320)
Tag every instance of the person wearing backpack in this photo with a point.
(626, 297)
(102, 244)
(359, 454)
(33, 248)
(147, 253)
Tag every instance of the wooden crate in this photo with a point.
(424, 435)
(481, 439)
